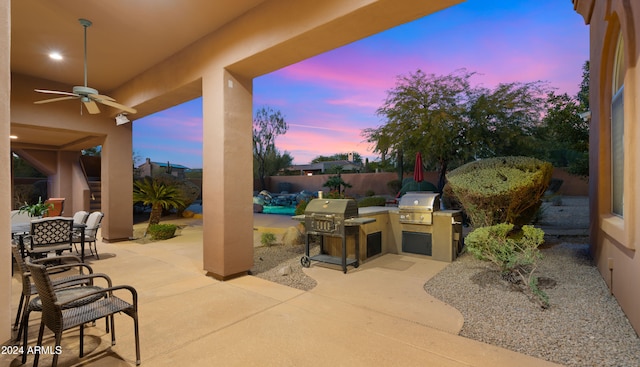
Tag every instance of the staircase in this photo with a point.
(91, 168)
(95, 195)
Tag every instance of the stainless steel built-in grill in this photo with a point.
(416, 217)
(418, 207)
(333, 218)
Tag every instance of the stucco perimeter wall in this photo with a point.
(377, 182)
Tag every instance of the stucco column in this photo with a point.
(227, 175)
(5, 171)
(117, 184)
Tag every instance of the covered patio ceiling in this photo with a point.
(129, 39)
(125, 39)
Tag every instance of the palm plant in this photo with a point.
(158, 195)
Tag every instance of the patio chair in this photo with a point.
(59, 315)
(80, 217)
(90, 233)
(29, 289)
(53, 234)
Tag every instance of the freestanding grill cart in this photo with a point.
(333, 218)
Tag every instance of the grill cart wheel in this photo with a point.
(305, 261)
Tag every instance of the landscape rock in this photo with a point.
(285, 270)
(292, 237)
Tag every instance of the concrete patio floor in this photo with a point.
(376, 315)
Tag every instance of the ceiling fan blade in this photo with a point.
(91, 106)
(56, 99)
(116, 105)
(101, 96)
(55, 92)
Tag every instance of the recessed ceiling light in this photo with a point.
(55, 56)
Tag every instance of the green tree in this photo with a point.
(93, 151)
(22, 168)
(502, 120)
(336, 183)
(564, 133)
(424, 113)
(273, 163)
(158, 195)
(267, 125)
(451, 122)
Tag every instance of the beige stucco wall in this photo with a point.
(5, 170)
(614, 239)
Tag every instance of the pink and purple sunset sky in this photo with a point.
(329, 99)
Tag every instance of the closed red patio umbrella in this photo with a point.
(417, 169)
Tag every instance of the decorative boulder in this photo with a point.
(292, 237)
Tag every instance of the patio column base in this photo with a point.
(227, 277)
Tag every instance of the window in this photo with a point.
(617, 130)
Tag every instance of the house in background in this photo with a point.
(149, 168)
(325, 167)
(614, 180)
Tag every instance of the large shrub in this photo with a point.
(162, 231)
(515, 252)
(499, 190)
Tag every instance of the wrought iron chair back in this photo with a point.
(54, 234)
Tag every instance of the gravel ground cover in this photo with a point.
(584, 326)
(281, 264)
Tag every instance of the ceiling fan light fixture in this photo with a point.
(87, 95)
(54, 55)
(121, 119)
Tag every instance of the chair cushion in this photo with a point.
(66, 294)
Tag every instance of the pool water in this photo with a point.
(283, 210)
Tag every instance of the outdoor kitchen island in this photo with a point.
(379, 230)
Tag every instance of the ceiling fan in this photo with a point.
(87, 95)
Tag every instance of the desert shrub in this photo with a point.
(513, 251)
(267, 239)
(335, 194)
(372, 201)
(501, 190)
(301, 206)
(161, 231)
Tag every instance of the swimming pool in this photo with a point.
(282, 210)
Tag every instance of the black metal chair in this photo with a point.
(59, 315)
(54, 234)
